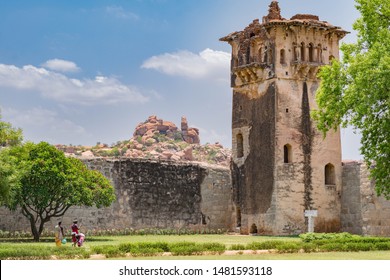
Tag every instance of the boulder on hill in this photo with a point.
(190, 134)
(153, 125)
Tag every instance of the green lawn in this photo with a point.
(48, 245)
(198, 238)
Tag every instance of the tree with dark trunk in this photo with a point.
(47, 184)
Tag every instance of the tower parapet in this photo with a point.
(297, 47)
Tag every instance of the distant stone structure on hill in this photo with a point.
(158, 139)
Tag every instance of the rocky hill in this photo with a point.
(158, 139)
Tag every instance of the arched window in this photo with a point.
(270, 57)
(330, 176)
(311, 52)
(295, 50)
(302, 51)
(287, 153)
(282, 56)
(248, 55)
(260, 54)
(240, 145)
(319, 53)
(265, 60)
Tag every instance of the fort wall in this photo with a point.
(163, 194)
(151, 194)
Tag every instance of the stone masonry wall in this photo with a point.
(362, 211)
(351, 216)
(151, 194)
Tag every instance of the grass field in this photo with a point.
(67, 251)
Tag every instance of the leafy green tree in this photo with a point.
(47, 184)
(9, 136)
(9, 175)
(356, 90)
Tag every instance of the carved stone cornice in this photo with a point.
(306, 70)
(251, 73)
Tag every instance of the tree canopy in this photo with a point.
(9, 136)
(47, 184)
(356, 90)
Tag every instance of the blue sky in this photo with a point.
(82, 72)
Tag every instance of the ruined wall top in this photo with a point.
(274, 19)
(273, 12)
(305, 17)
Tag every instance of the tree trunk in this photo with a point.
(34, 230)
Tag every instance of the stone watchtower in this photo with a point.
(282, 165)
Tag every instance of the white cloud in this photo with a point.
(41, 124)
(120, 12)
(57, 86)
(212, 136)
(61, 65)
(206, 64)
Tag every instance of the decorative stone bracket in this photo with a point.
(252, 73)
(305, 70)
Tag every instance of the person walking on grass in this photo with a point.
(59, 234)
(75, 232)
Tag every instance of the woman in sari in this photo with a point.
(59, 234)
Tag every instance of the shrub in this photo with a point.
(333, 247)
(39, 252)
(126, 247)
(135, 252)
(108, 250)
(382, 246)
(266, 245)
(184, 248)
(213, 247)
(355, 247)
(26, 253)
(212, 154)
(309, 237)
(288, 247)
(177, 136)
(15, 234)
(237, 247)
(144, 248)
(161, 246)
(68, 252)
(309, 247)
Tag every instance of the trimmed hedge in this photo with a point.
(266, 245)
(310, 243)
(37, 252)
(155, 248)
